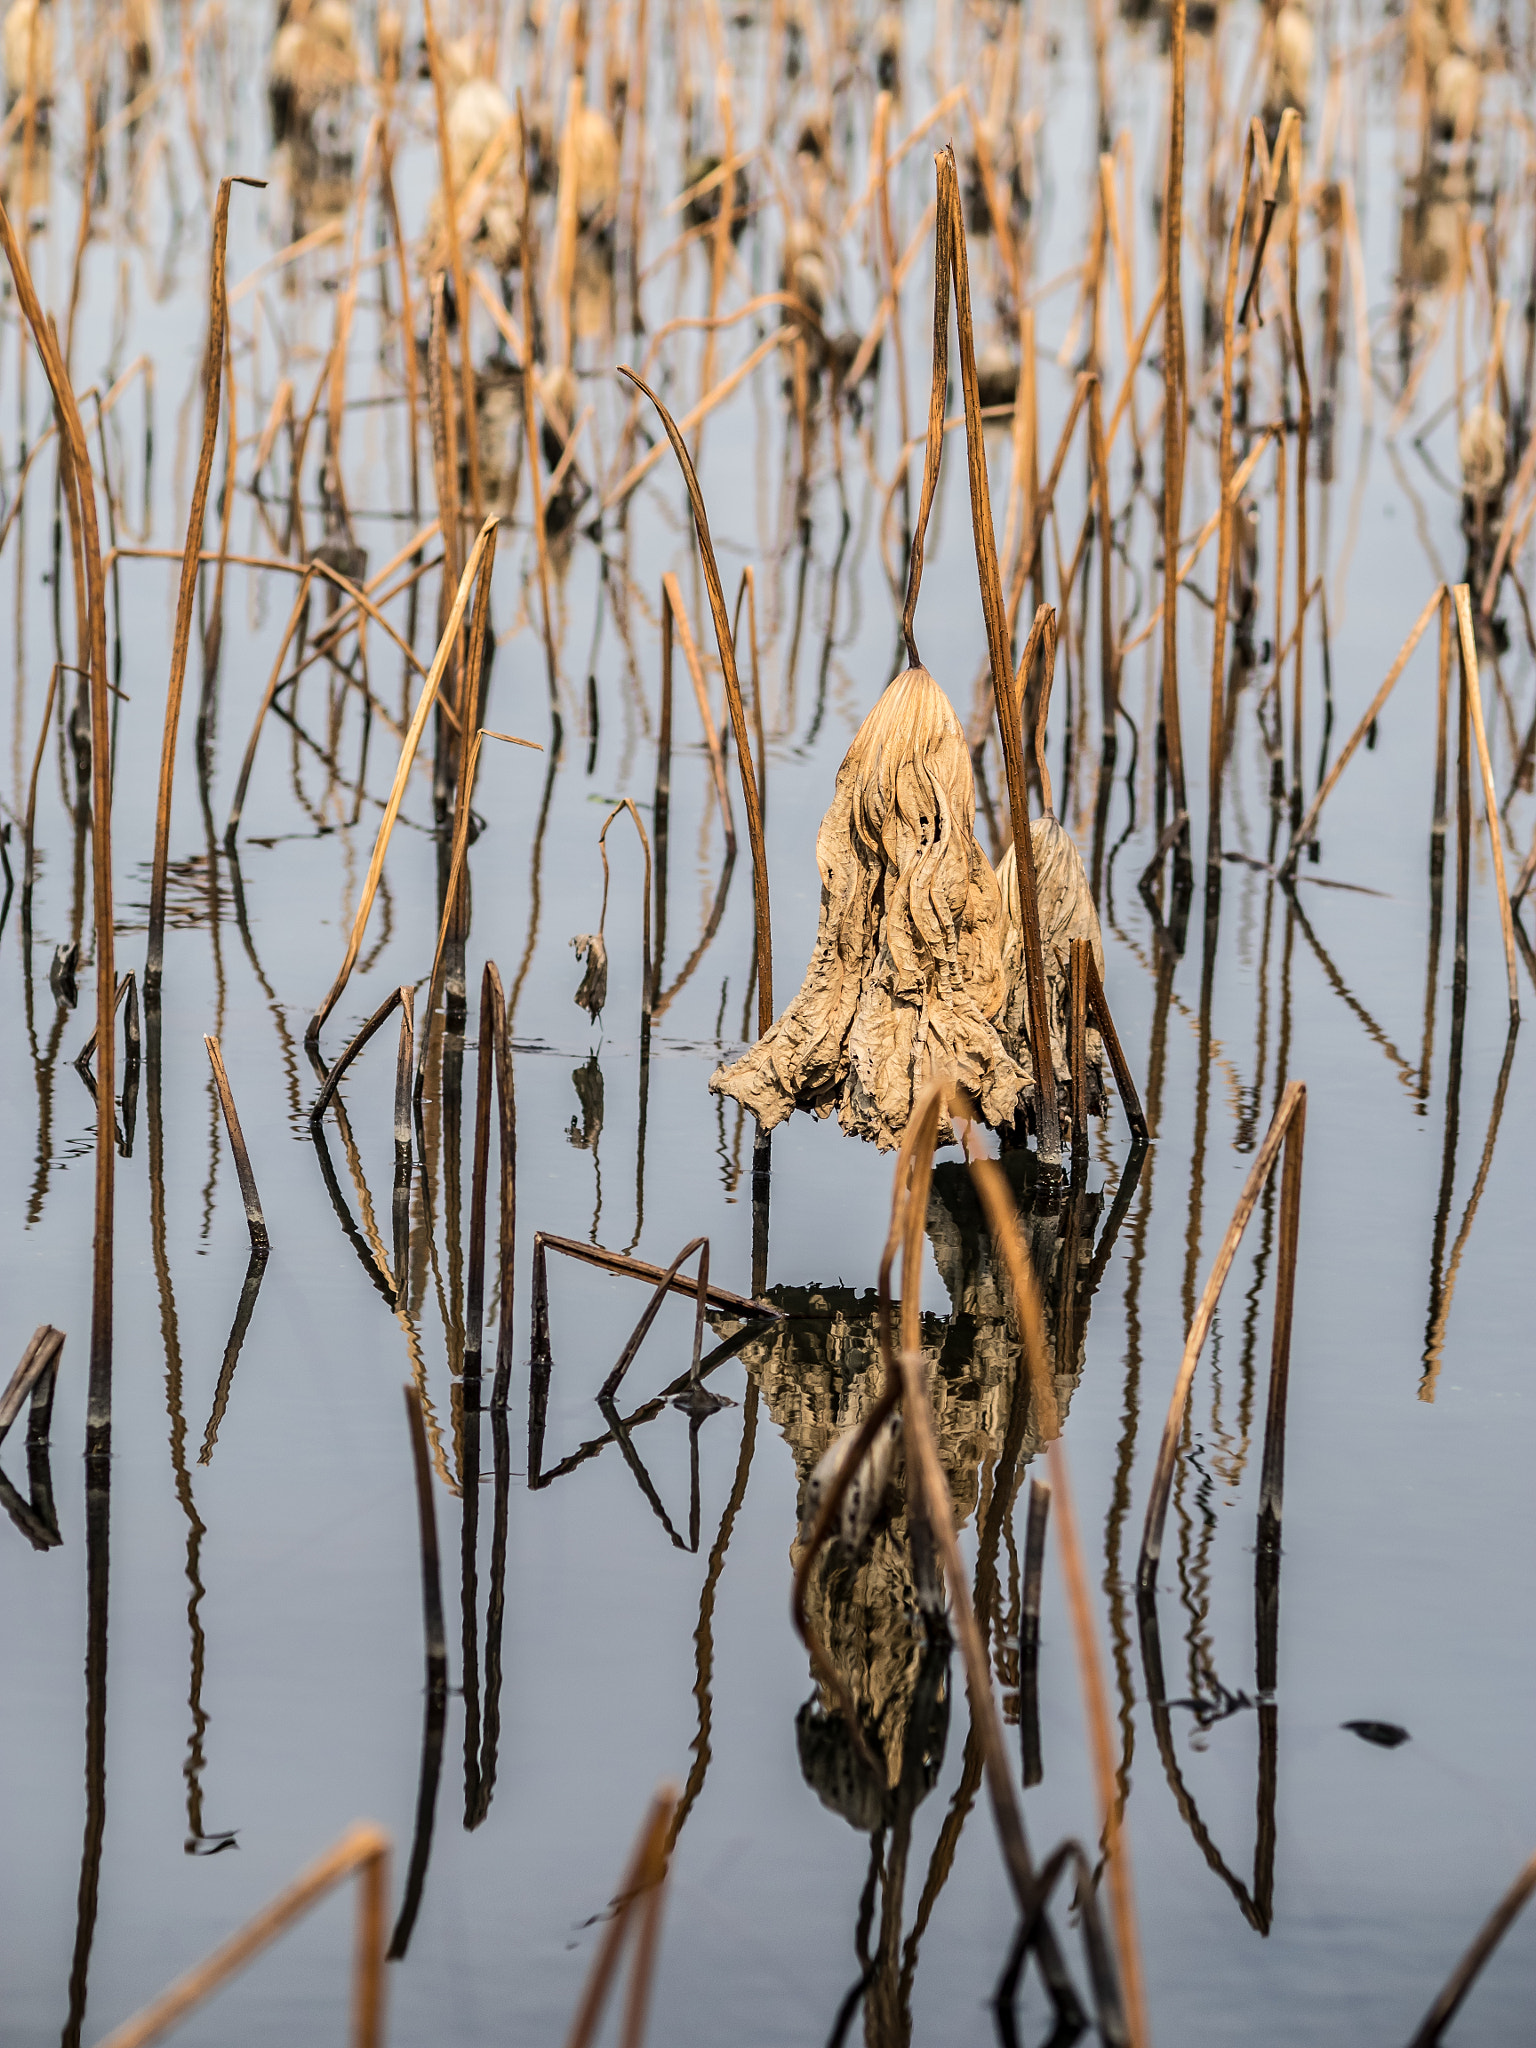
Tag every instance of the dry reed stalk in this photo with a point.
(442, 415)
(1173, 408)
(447, 926)
(508, 328)
(925, 1466)
(647, 991)
(1432, 2028)
(892, 297)
(431, 1565)
(30, 824)
(623, 1267)
(82, 507)
(676, 613)
(877, 326)
(1308, 825)
(929, 1500)
(1286, 1133)
(493, 1018)
(642, 1881)
(249, 1193)
(995, 612)
(1201, 541)
(695, 414)
(1217, 747)
(530, 425)
(82, 1059)
(1447, 633)
(1027, 563)
(456, 265)
(564, 280)
(1524, 476)
(363, 1851)
(1271, 165)
(1102, 1749)
(477, 565)
(637, 1336)
(1109, 666)
(317, 238)
(747, 588)
(710, 181)
(89, 95)
(726, 647)
(938, 390)
(353, 1047)
(40, 1357)
(930, 120)
(242, 781)
(1474, 698)
(213, 387)
(1303, 442)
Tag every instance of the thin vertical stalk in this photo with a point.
(995, 612)
(1218, 732)
(1173, 408)
(213, 388)
(1473, 698)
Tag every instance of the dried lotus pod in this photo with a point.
(907, 978)
(865, 1494)
(1066, 913)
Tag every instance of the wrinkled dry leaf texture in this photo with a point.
(593, 992)
(1066, 913)
(907, 976)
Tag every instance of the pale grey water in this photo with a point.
(1407, 1590)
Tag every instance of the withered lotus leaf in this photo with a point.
(907, 979)
(1066, 913)
(593, 992)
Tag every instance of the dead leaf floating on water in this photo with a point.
(593, 992)
(907, 979)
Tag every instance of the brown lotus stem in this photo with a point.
(249, 1192)
(1285, 1134)
(1304, 831)
(477, 565)
(1303, 442)
(81, 508)
(1173, 408)
(1216, 756)
(363, 1851)
(456, 264)
(994, 610)
(213, 387)
(1472, 689)
(726, 647)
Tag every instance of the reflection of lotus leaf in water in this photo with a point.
(819, 1372)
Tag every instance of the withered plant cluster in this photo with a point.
(523, 265)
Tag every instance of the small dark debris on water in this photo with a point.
(1385, 1734)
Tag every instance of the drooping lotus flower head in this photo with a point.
(907, 976)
